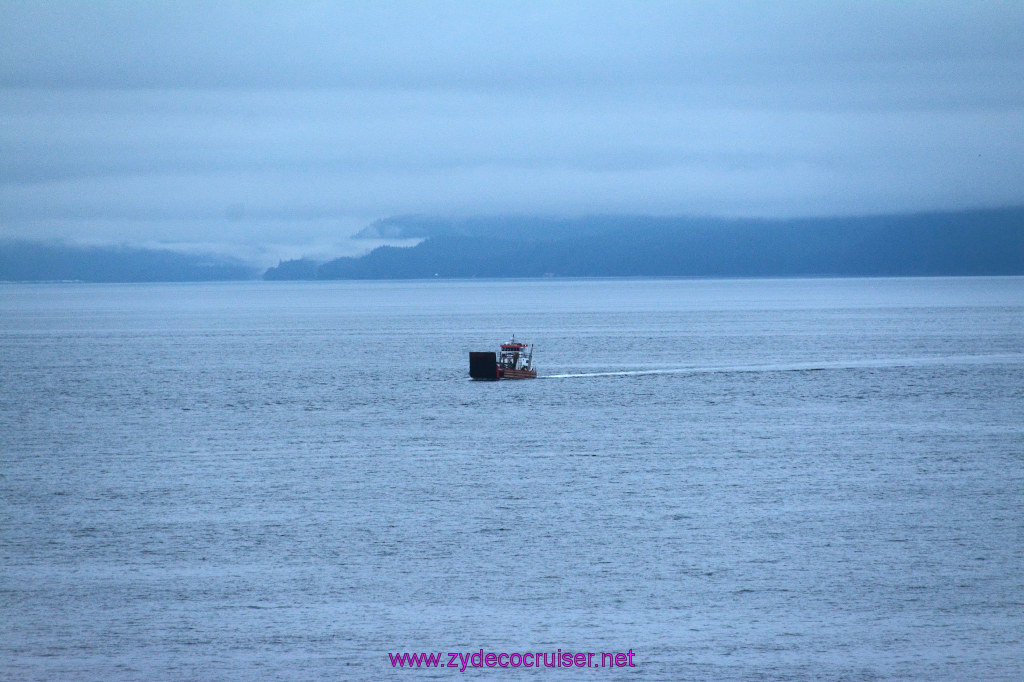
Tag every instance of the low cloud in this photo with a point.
(284, 129)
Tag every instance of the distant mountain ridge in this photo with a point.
(24, 261)
(979, 242)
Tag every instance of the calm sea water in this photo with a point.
(807, 479)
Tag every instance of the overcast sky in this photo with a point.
(281, 128)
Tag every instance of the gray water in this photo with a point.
(788, 479)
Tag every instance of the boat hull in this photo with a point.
(517, 373)
(484, 367)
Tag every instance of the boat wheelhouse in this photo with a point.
(514, 360)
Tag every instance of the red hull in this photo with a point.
(516, 374)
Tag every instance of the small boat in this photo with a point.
(513, 361)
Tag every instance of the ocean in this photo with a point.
(736, 479)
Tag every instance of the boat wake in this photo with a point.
(995, 359)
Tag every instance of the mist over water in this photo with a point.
(781, 479)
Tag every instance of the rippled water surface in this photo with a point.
(810, 479)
